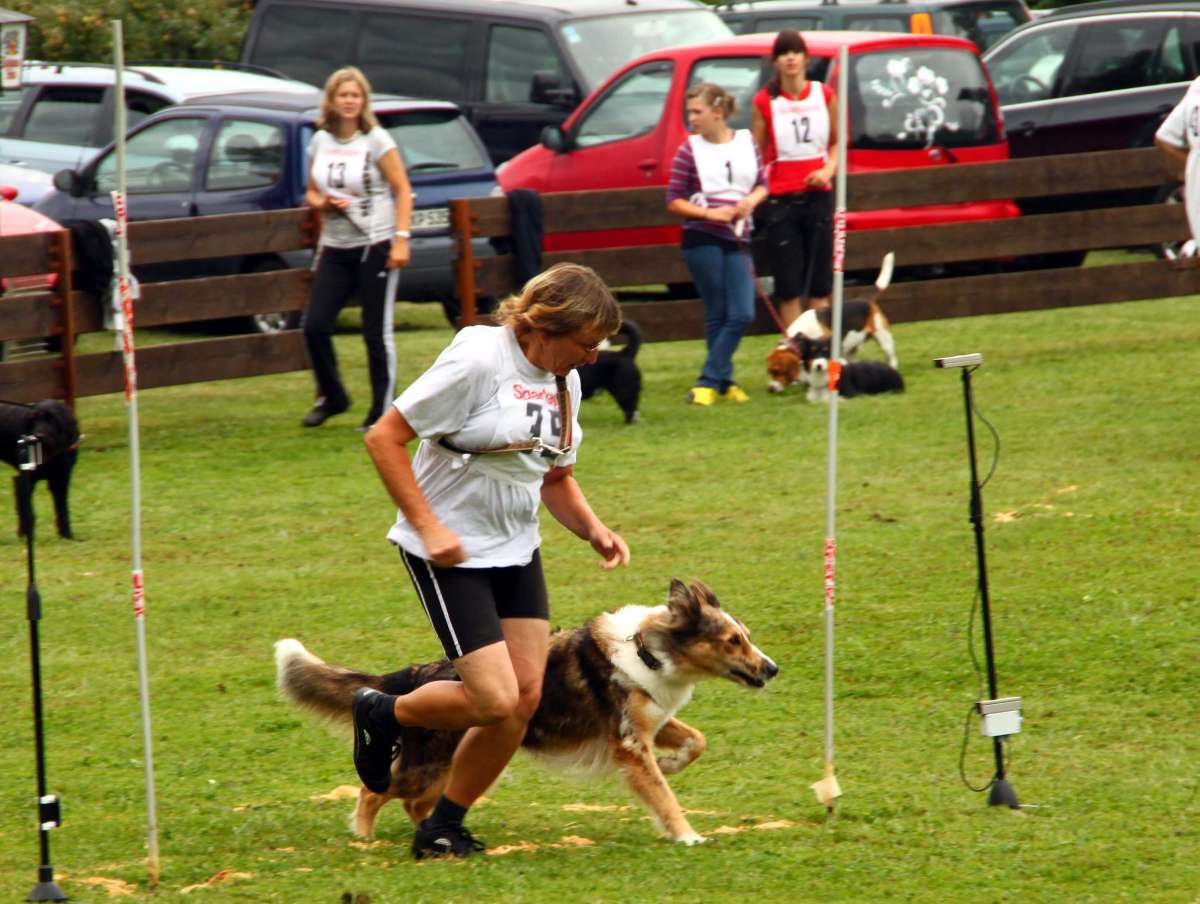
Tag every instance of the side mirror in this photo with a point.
(546, 88)
(554, 139)
(69, 181)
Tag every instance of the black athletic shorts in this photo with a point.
(799, 229)
(465, 605)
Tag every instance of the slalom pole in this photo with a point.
(135, 472)
(827, 789)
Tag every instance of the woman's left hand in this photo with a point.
(400, 254)
(819, 178)
(611, 547)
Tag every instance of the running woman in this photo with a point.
(794, 121)
(496, 417)
(358, 181)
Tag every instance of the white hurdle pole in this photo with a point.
(135, 470)
(827, 789)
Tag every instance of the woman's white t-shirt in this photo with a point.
(483, 393)
(350, 169)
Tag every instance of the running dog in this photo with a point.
(57, 431)
(609, 698)
(616, 371)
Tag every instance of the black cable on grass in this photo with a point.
(995, 436)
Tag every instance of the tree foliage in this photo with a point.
(154, 29)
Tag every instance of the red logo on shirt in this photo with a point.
(539, 394)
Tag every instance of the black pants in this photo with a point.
(341, 274)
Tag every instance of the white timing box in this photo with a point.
(1001, 716)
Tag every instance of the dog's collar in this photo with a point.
(644, 654)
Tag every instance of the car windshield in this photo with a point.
(433, 140)
(742, 77)
(918, 98)
(603, 45)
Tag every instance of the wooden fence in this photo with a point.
(959, 243)
(64, 313)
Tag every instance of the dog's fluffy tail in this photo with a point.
(633, 338)
(312, 684)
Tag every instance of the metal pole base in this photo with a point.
(46, 891)
(1002, 794)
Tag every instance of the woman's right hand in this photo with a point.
(336, 203)
(443, 545)
(724, 214)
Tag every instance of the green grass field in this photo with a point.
(257, 529)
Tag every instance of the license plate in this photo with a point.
(430, 219)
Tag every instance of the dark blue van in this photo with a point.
(234, 153)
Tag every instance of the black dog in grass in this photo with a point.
(57, 431)
(616, 371)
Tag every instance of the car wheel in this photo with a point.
(451, 308)
(276, 321)
(1170, 194)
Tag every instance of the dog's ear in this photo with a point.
(682, 602)
(704, 595)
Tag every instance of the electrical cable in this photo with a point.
(995, 436)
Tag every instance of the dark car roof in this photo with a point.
(1121, 6)
(293, 104)
(539, 9)
(768, 6)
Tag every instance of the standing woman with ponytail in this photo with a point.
(716, 181)
(357, 180)
(794, 121)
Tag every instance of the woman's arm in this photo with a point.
(758, 128)
(387, 443)
(393, 171)
(822, 177)
(313, 198)
(565, 501)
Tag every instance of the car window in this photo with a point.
(514, 55)
(245, 154)
(983, 23)
(418, 55)
(1171, 65)
(64, 115)
(434, 140)
(10, 102)
(740, 76)
(1026, 68)
(1117, 55)
(779, 23)
(876, 23)
(920, 98)
(632, 107)
(602, 45)
(304, 42)
(160, 158)
(139, 105)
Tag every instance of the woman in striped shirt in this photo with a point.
(716, 181)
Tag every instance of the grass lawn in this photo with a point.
(257, 528)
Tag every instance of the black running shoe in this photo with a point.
(444, 841)
(373, 749)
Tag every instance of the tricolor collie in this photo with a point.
(609, 699)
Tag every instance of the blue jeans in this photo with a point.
(726, 285)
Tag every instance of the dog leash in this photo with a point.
(534, 444)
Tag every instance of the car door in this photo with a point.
(515, 108)
(244, 168)
(59, 130)
(1027, 71)
(161, 172)
(1126, 75)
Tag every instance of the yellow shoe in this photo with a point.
(701, 395)
(735, 393)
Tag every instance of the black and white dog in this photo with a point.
(857, 378)
(57, 431)
(616, 371)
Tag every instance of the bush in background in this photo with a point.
(154, 29)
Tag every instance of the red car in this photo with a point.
(915, 100)
(16, 219)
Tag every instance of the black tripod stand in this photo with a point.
(49, 814)
(1001, 792)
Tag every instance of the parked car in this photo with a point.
(64, 112)
(27, 184)
(514, 67)
(1096, 77)
(627, 132)
(981, 21)
(245, 152)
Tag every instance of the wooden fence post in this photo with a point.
(60, 255)
(465, 265)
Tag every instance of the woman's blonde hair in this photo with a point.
(715, 97)
(563, 299)
(328, 118)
